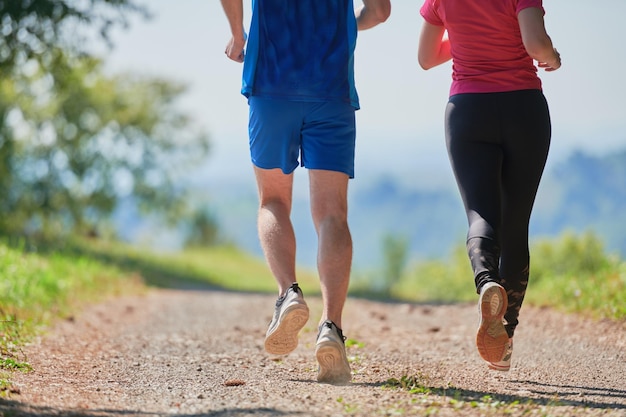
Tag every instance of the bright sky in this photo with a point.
(400, 128)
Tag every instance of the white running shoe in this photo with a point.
(492, 339)
(290, 315)
(505, 363)
(330, 351)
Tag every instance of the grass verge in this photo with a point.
(37, 288)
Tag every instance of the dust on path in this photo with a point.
(200, 353)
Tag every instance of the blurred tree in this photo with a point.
(395, 251)
(74, 143)
(35, 29)
(202, 229)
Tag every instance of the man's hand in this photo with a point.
(372, 13)
(234, 48)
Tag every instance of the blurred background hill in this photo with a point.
(581, 193)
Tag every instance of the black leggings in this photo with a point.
(498, 145)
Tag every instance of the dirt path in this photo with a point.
(199, 353)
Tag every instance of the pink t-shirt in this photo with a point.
(486, 44)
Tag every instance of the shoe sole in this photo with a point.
(501, 368)
(284, 338)
(492, 338)
(334, 368)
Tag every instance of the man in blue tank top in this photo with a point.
(298, 77)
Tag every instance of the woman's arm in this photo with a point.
(434, 47)
(536, 40)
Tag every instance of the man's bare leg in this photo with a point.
(329, 208)
(279, 245)
(274, 225)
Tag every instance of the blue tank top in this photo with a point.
(301, 50)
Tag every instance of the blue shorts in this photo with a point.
(321, 134)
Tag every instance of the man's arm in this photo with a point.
(372, 12)
(234, 14)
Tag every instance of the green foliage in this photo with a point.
(203, 229)
(575, 274)
(571, 272)
(439, 280)
(431, 280)
(10, 363)
(354, 343)
(571, 254)
(395, 252)
(74, 143)
(33, 29)
(414, 384)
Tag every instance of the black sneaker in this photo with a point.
(290, 316)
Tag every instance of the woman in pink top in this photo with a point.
(498, 129)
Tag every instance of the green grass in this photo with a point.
(36, 289)
(225, 267)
